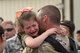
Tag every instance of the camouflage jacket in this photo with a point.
(45, 47)
(13, 45)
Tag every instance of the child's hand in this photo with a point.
(51, 31)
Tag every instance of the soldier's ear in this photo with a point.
(45, 18)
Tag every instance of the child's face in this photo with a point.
(31, 27)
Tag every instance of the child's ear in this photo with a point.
(45, 18)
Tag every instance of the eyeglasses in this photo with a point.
(8, 29)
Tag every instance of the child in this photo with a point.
(27, 21)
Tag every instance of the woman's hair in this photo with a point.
(7, 22)
(78, 32)
(1, 31)
(1, 19)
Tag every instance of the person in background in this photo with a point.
(2, 39)
(78, 38)
(13, 44)
(49, 17)
(9, 29)
(1, 20)
(70, 27)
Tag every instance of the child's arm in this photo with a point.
(35, 42)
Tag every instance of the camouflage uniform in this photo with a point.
(13, 45)
(43, 48)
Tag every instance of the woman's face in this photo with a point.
(31, 27)
(65, 30)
